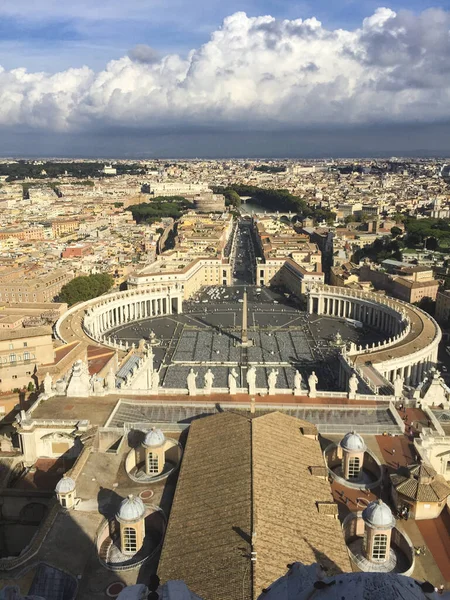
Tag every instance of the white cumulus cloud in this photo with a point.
(254, 71)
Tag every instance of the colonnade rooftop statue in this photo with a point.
(382, 358)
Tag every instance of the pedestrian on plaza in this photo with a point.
(441, 589)
(393, 451)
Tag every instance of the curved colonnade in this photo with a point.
(92, 320)
(413, 337)
(409, 351)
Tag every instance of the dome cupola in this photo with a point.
(353, 442)
(131, 509)
(65, 485)
(154, 438)
(378, 515)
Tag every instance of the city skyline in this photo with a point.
(256, 79)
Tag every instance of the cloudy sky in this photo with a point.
(213, 78)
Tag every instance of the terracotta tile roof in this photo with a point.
(288, 524)
(236, 469)
(420, 483)
(206, 543)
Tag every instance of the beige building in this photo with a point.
(64, 226)
(410, 284)
(288, 257)
(34, 288)
(191, 276)
(421, 490)
(21, 352)
(176, 188)
(344, 275)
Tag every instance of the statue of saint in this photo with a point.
(232, 381)
(297, 381)
(191, 384)
(97, 386)
(352, 386)
(251, 380)
(272, 379)
(48, 384)
(398, 386)
(110, 380)
(60, 387)
(312, 383)
(209, 380)
(85, 378)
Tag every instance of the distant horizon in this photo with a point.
(242, 79)
(315, 158)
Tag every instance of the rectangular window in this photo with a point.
(25, 344)
(129, 539)
(12, 358)
(153, 463)
(379, 546)
(26, 356)
(353, 467)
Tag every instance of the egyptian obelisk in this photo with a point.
(244, 335)
(245, 342)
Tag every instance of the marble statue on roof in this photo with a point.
(232, 381)
(272, 381)
(297, 383)
(251, 380)
(48, 384)
(209, 380)
(191, 382)
(398, 386)
(352, 386)
(312, 383)
(110, 380)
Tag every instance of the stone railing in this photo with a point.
(382, 345)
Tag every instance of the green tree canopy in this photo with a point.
(85, 287)
(381, 249)
(418, 230)
(396, 231)
(159, 208)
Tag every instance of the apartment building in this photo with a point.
(64, 226)
(21, 352)
(34, 287)
(411, 284)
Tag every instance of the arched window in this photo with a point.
(129, 539)
(12, 358)
(379, 547)
(153, 463)
(26, 356)
(353, 467)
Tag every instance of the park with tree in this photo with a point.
(85, 288)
